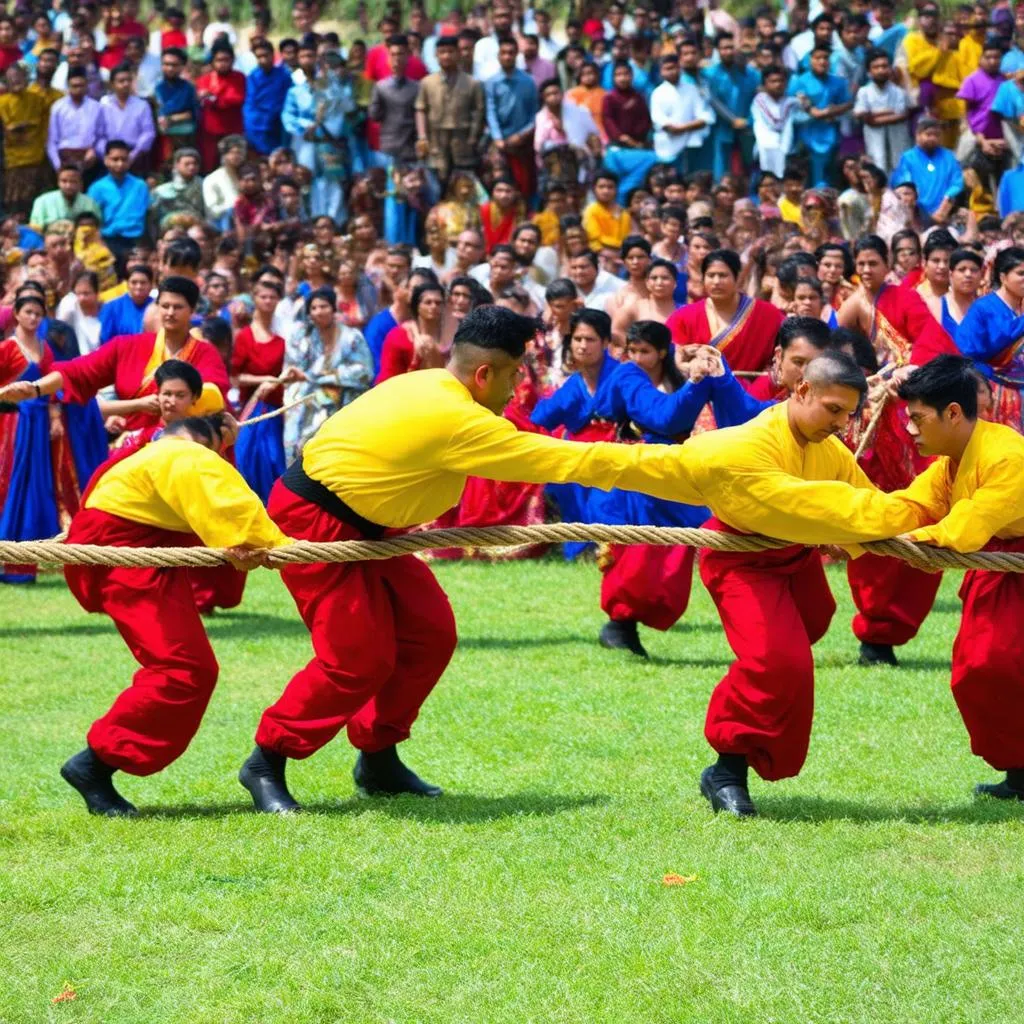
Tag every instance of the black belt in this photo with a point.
(299, 482)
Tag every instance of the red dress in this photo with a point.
(261, 359)
(747, 342)
(220, 113)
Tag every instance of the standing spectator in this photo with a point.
(824, 99)
(884, 110)
(124, 116)
(123, 200)
(75, 133)
(590, 95)
(681, 119)
(773, 114)
(934, 71)
(265, 92)
(43, 84)
(145, 65)
(176, 104)
(627, 124)
(298, 118)
(10, 51)
(733, 86)
(221, 93)
(982, 147)
(933, 170)
(530, 61)
(485, 53)
(65, 202)
(393, 105)
(22, 115)
(449, 115)
(182, 196)
(220, 189)
(511, 114)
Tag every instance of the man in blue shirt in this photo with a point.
(123, 200)
(512, 106)
(265, 92)
(733, 87)
(125, 314)
(824, 99)
(1011, 192)
(177, 107)
(934, 170)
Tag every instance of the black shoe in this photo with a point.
(622, 636)
(877, 654)
(1000, 790)
(383, 774)
(263, 775)
(732, 799)
(92, 778)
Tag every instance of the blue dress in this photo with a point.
(571, 407)
(993, 336)
(30, 508)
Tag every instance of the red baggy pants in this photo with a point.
(892, 598)
(383, 633)
(988, 665)
(152, 722)
(773, 606)
(217, 586)
(647, 583)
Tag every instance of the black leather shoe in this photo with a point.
(263, 775)
(622, 636)
(1000, 790)
(877, 654)
(732, 799)
(383, 774)
(92, 778)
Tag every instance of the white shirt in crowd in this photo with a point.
(885, 143)
(86, 328)
(678, 104)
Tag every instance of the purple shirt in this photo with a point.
(978, 91)
(132, 123)
(540, 70)
(74, 127)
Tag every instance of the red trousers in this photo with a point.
(647, 583)
(217, 586)
(773, 606)
(988, 669)
(383, 633)
(522, 166)
(152, 722)
(892, 598)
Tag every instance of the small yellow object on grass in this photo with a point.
(678, 879)
(66, 995)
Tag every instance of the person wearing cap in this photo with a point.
(128, 363)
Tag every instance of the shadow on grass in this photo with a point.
(457, 809)
(982, 811)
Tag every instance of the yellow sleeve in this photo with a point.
(211, 496)
(922, 56)
(781, 505)
(592, 227)
(947, 71)
(490, 446)
(972, 522)
(930, 491)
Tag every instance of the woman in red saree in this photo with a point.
(741, 328)
(500, 215)
(892, 598)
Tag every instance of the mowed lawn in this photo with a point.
(873, 888)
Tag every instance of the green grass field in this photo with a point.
(873, 888)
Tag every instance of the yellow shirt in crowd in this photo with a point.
(758, 479)
(606, 230)
(177, 484)
(981, 498)
(399, 454)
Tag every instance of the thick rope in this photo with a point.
(920, 556)
(872, 427)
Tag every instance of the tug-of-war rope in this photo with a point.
(56, 551)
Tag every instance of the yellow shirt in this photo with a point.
(176, 484)
(980, 499)
(790, 211)
(48, 94)
(925, 60)
(604, 229)
(758, 479)
(969, 54)
(399, 454)
(23, 146)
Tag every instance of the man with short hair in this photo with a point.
(42, 84)
(125, 116)
(974, 496)
(182, 196)
(124, 314)
(824, 98)
(65, 202)
(383, 632)
(450, 112)
(265, 90)
(682, 120)
(177, 105)
(511, 113)
(627, 125)
(733, 86)
(595, 286)
(123, 200)
(75, 133)
(933, 169)
(485, 50)
(393, 105)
